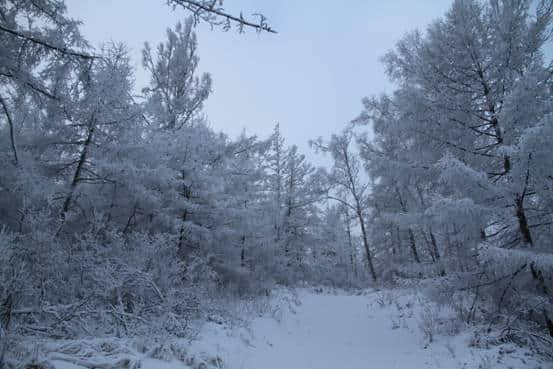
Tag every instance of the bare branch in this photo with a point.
(203, 9)
(61, 50)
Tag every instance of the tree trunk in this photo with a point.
(11, 129)
(413, 246)
(243, 252)
(399, 247)
(186, 193)
(434, 246)
(366, 244)
(5, 319)
(77, 175)
(523, 222)
(537, 275)
(350, 244)
(436, 252)
(429, 246)
(412, 242)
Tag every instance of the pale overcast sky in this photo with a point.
(310, 76)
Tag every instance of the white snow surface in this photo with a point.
(328, 331)
(339, 330)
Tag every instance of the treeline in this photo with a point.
(124, 213)
(121, 213)
(459, 169)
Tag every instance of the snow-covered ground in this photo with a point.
(339, 330)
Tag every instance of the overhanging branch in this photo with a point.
(203, 9)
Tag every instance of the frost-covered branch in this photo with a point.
(211, 12)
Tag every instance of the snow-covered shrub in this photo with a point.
(429, 321)
(167, 350)
(238, 282)
(386, 298)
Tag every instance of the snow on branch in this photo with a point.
(212, 12)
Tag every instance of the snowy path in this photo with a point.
(336, 332)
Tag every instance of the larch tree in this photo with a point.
(459, 138)
(349, 185)
(176, 93)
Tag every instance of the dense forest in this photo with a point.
(123, 214)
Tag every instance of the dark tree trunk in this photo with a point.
(523, 222)
(413, 246)
(412, 242)
(77, 175)
(366, 244)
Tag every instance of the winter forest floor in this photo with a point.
(315, 329)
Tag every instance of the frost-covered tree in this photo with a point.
(118, 214)
(294, 187)
(456, 160)
(175, 94)
(333, 255)
(43, 54)
(349, 185)
(302, 190)
(276, 162)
